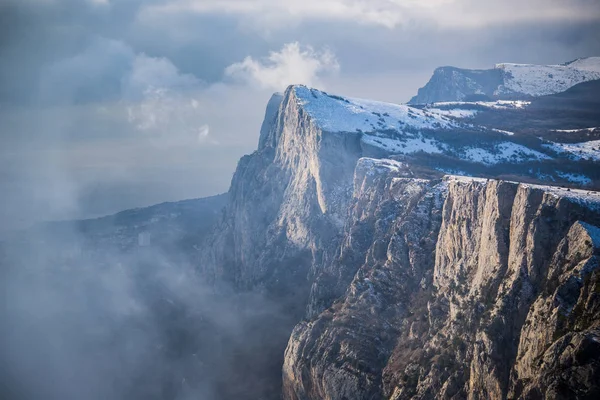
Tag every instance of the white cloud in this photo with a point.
(292, 65)
(203, 133)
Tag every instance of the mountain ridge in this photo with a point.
(506, 81)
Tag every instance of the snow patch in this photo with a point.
(503, 152)
(586, 64)
(496, 105)
(406, 145)
(454, 113)
(464, 179)
(381, 164)
(593, 232)
(575, 178)
(505, 132)
(575, 130)
(577, 151)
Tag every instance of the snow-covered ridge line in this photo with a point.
(441, 130)
(540, 80)
(334, 113)
(589, 198)
(398, 129)
(498, 104)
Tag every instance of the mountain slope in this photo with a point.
(506, 81)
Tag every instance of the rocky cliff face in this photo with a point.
(457, 84)
(468, 289)
(407, 284)
(384, 256)
(287, 204)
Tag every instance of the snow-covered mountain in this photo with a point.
(506, 81)
(409, 282)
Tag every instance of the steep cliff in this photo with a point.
(384, 257)
(469, 289)
(286, 204)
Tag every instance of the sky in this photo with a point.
(113, 104)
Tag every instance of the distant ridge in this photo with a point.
(506, 81)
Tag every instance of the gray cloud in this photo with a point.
(388, 13)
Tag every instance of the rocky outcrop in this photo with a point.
(559, 345)
(287, 204)
(390, 236)
(285, 214)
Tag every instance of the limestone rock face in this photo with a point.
(559, 346)
(386, 254)
(468, 289)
